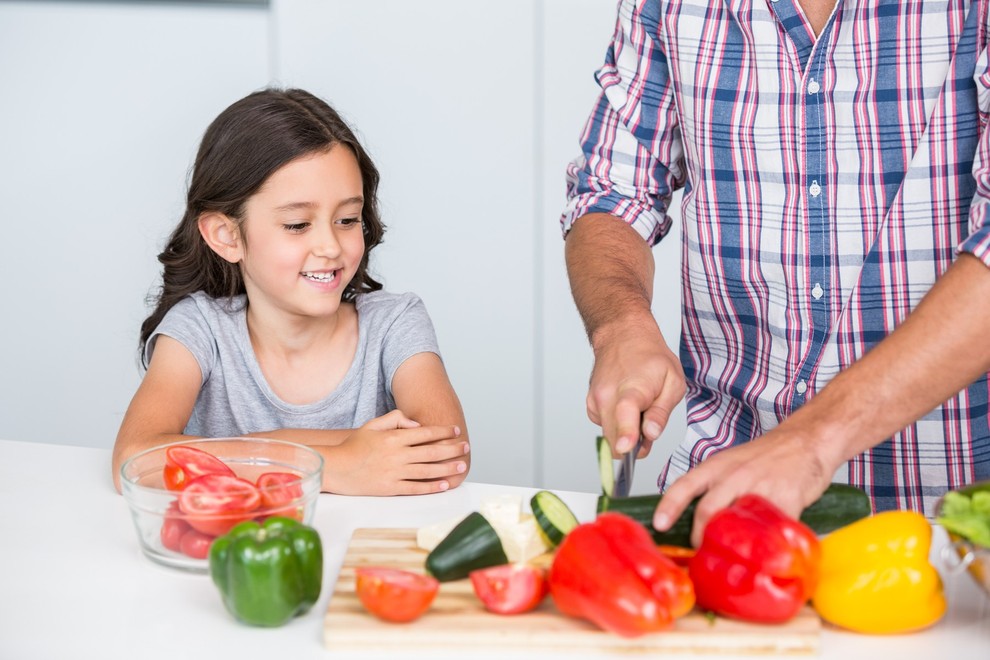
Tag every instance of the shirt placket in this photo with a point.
(815, 178)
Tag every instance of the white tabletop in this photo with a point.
(74, 584)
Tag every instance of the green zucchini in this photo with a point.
(472, 544)
(554, 518)
(605, 468)
(839, 505)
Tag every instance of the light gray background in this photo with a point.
(471, 110)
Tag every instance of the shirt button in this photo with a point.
(801, 387)
(815, 189)
(814, 87)
(817, 292)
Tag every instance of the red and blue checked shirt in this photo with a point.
(827, 182)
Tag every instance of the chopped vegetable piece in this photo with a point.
(395, 595)
(509, 588)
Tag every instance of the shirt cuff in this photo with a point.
(648, 221)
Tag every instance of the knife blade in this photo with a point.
(624, 473)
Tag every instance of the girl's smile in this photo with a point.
(324, 278)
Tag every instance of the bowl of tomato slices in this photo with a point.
(184, 495)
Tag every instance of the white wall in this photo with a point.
(471, 111)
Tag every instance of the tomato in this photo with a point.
(183, 464)
(509, 588)
(173, 528)
(678, 555)
(214, 503)
(195, 544)
(393, 594)
(279, 489)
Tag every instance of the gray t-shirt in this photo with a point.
(235, 398)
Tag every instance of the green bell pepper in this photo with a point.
(268, 573)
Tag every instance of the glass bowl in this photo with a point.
(961, 554)
(176, 527)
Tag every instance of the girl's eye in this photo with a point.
(296, 227)
(350, 222)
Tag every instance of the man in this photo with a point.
(834, 166)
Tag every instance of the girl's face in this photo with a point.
(303, 234)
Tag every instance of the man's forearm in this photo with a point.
(939, 349)
(610, 268)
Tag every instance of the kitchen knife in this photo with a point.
(624, 474)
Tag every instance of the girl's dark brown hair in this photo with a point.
(244, 146)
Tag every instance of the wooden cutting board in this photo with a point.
(457, 619)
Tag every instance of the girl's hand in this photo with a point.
(395, 455)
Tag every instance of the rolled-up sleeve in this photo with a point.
(978, 241)
(632, 156)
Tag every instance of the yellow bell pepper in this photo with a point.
(876, 578)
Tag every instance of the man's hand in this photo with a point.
(636, 383)
(777, 466)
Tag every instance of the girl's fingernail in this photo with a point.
(444, 485)
(461, 467)
(652, 430)
(661, 522)
(457, 431)
(467, 447)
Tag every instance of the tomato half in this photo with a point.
(279, 489)
(395, 595)
(510, 588)
(195, 544)
(183, 464)
(173, 528)
(214, 503)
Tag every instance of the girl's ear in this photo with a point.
(222, 235)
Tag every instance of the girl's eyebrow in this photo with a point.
(295, 206)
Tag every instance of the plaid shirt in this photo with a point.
(827, 183)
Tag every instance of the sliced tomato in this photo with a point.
(510, 588)
(395, 595)
(183, 464)
(196, 544)
(214, 503)
(173, 528)
(678, 555)
(279, 489)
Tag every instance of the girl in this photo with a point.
(269, 324)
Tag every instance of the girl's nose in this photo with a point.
(325, 243)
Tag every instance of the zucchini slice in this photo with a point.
(472, 544)
(839, 505)
(553, 516)
(605, 467)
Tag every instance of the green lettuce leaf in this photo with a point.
(969, 517)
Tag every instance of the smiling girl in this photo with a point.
(268, 323)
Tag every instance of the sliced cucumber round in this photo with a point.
(554, 517)
(605, 467)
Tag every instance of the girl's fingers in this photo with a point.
(421, 487)
(426, 434)
(435, 453)
(433, 470)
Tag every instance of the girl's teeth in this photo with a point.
(321, 277)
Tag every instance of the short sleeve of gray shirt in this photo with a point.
(235, 398)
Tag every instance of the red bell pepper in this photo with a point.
(755, 563)
(610, 572)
